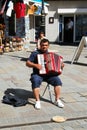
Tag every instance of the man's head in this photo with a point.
(41, 35)
(44, 45)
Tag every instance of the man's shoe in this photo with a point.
(59, 104)
(38, 105)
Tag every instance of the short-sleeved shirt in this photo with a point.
(36, 78)
(33, 58)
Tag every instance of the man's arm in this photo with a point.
(62, 65)
(33, 65)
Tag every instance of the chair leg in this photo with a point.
(44, 90)
(48, 87)
(49, 92)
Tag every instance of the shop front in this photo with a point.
(23, 18)
(61, 12)
(36, 20)
(78, 16)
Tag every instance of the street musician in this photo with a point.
(37, 78)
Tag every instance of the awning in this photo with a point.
(72, 10)
(35, 7)
(39, 2)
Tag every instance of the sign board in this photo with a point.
(79, 49)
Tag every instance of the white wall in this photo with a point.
(52, 29)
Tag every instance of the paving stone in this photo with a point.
(14, 75)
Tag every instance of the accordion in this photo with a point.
(51, 63)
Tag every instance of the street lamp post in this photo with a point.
(43, 18)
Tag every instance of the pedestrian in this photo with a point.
(69, 30)
(36, 78)
(41, 36)
(70, 24)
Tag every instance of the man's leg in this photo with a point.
(57, 90)
(56, 82)
(36, 92)
(58, 102)
(36, 82)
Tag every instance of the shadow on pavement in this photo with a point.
(76, 63)
(19, 57)
(17, 97)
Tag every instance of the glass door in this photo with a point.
(81, 26)
(37, 26)
(66, 28)
(60, 28)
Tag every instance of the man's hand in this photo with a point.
(33, 65)
(38, 66)
(62, 65)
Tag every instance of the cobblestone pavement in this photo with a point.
(14, 77)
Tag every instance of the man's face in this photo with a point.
(44, 46)
(41, 35)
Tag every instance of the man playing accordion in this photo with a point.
(37, 78)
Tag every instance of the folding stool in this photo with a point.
(50, 95)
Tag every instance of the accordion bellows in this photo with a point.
(51, 63)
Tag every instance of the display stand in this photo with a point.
(79, 49)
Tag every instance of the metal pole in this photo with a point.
(43, 18)
(42, 5)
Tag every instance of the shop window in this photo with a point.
(60, 28)
(81, 27)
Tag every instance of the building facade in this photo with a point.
(59, 12)
(57, 15)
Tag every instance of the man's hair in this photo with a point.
(41, 32)
(44, 40)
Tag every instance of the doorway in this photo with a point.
(68, 29)
(37, 26)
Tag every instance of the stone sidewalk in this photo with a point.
(14, 78)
